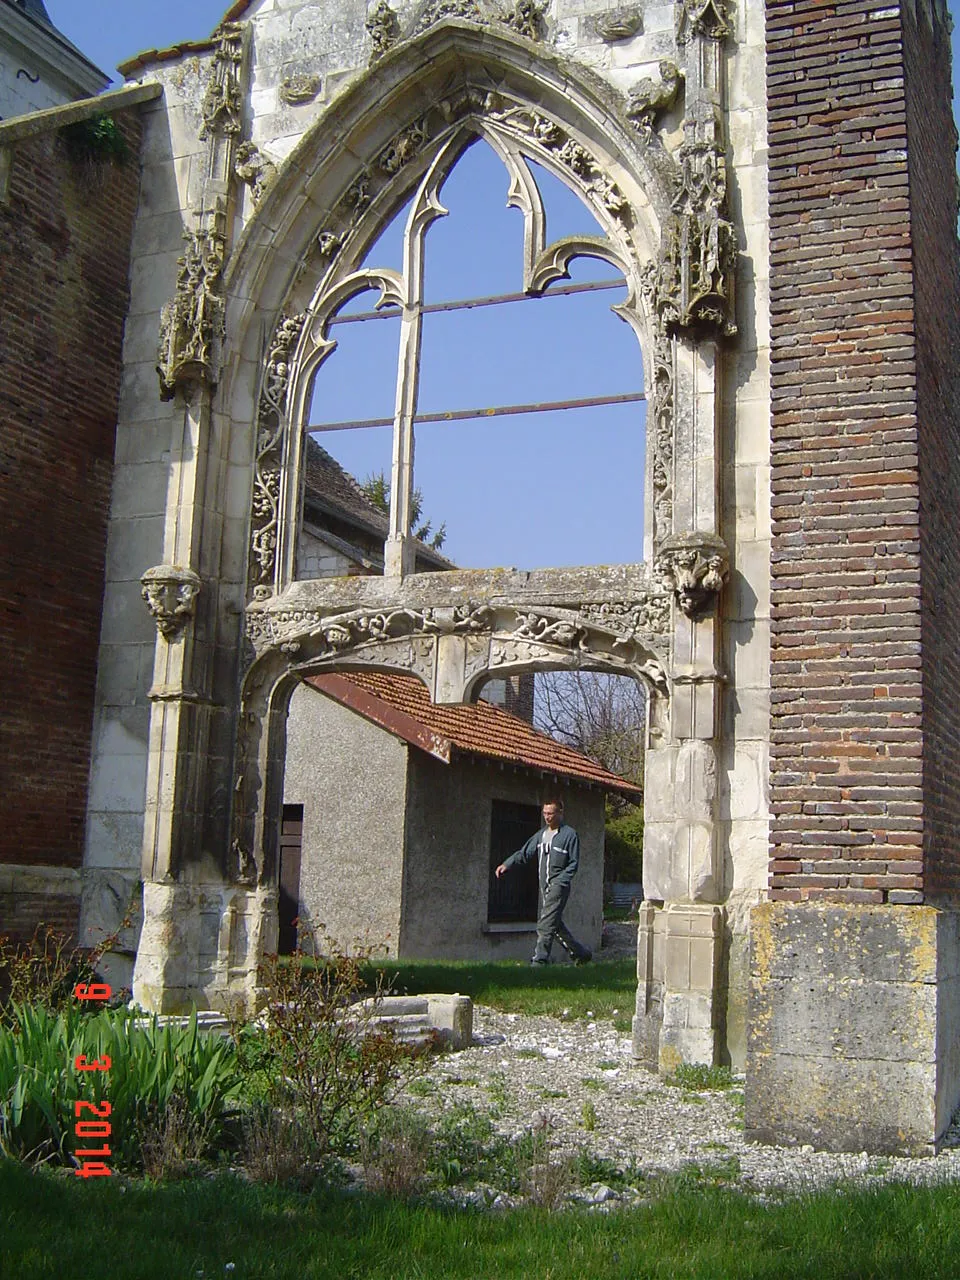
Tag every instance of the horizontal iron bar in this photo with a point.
(497, 411)
(466, 304)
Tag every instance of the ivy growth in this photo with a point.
(96, 140)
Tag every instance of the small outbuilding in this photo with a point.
(397, 810)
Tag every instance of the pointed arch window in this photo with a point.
(397, 272)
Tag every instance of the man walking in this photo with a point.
(556, 847)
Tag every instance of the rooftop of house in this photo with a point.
(37, 12)
(333, 490)
(401, 705)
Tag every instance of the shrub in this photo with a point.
(45, 970)
(277, 1148)
(623, 847)
(319, 1052)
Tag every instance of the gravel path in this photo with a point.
(579, 1080)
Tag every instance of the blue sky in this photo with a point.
(563, 488)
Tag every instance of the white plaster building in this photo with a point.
(39, 67)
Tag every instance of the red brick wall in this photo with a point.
(64, 265)
(847, 719)
(933, 190)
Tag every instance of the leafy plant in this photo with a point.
(700, 1077)
(150, 1067)
(45, 970)
(96, 140)
(396, 1153)
(277, 1147)
(588, 1116)
(320, 1052)
(623, 846)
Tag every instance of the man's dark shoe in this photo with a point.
(584, 958)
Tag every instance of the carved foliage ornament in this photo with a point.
(191, 325)
(271, 423)
(695, 566)
(324, 635)
(222, 106)
(691, 287)
(171, 596)
(297, 90)
(702, 18)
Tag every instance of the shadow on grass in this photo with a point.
(52, 1225)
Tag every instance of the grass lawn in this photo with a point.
(59, 1226)
(518, 987)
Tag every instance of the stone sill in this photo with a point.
(511, 927)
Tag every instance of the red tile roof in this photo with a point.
(401, 705)
(142, 60)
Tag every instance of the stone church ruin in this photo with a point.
(775, 184)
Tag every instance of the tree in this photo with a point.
(602, 715)
(605, 717)
(376, 489)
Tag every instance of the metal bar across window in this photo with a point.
(497, 411)
(466, 304)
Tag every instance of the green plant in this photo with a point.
(150, 1066)
(623, 846)
(321, 1052)
(395, 1153)
(45, 970)
(588, 1116)
(276, 1147)
(376, 489)
(701, 1077)
(96, 140)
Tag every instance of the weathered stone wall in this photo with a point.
(65, 233)
(447, 867)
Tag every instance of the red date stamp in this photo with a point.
(91, 1118)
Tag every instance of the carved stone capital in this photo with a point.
(171, 595)
(695, 566)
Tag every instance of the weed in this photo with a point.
(276, 1147)
(593, 1168)
(396, 1154)
(529, 1053)
(591, 1082)
(554, 1093)
(700, 1077)
(173, 1141)
(545, 1177)
(497, 1089)
(423, 1088)
(588, 1116)
(607, 1065)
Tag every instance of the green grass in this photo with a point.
(54, 1225)
(516, 987)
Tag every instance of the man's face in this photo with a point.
(552, 813)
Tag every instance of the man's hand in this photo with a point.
(500, 870)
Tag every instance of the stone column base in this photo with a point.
(679, 948)
(854, 1026)
(200, 946)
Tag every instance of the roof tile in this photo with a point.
(477, 729)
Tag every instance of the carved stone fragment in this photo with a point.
(270, 428)
(527, 19)
(191, 325)
(702, 18)
(695, 565)
(171, 594)
(222, 106)
(383, 28)
(649, 99)
(254, 169)
(329, 245)
(298, 90)
(618, 24)
(403, 148)
(434, 11)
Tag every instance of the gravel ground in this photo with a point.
(579, 1080)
